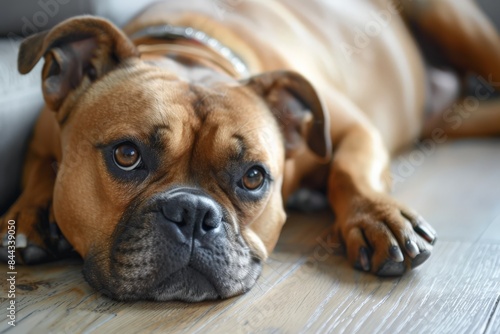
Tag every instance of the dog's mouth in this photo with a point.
(203, 278)
(191, 285)
(157, 255)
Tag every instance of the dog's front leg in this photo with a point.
(379, 234)
(28, 229)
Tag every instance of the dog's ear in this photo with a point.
(77, 52)
(298, 109)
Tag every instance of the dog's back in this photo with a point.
(359, 48)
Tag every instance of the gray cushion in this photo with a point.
(21, 18)
(492, 9)
(20, 102)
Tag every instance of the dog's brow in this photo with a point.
(198, 103)
(241, 148)
(155, 136)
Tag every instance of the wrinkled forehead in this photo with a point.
(152, 104)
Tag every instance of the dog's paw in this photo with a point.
(30, 236)
(383, 237)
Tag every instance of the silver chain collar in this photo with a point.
(189, 33)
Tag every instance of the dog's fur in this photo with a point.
(361, 95)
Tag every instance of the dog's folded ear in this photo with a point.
(298, 109)
(77, 52)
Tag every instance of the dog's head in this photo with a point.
(169, 185)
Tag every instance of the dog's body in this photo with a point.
(206, 132)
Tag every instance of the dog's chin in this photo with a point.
(150, 258)
(187, 284)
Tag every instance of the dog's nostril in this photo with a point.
(173, 216)
(211, 220)
(180, 222)
(192, 213)
(208, 226)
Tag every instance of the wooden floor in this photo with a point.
(305, 289)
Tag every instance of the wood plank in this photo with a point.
(455, 186)
(454, 293)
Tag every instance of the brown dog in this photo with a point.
(178, 141)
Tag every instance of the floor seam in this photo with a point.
(492, 315)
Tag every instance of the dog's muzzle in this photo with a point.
(181, 245)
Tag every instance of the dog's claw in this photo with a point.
(425, 232)
(4, 255)
(395, 254)
(420, 258)
(364, 259)
(63, 246)
(391, 268)
(33, 255)
(412, 249)
(54, 232)
(5, 240)
(21, 241)
(57, 240)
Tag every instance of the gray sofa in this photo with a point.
(20, 96)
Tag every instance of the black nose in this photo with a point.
(193, 213)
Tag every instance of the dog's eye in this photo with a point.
(127, 156)
(253, 179)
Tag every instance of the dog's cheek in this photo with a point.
(83, 211)
(267, 227)
(66, 216)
